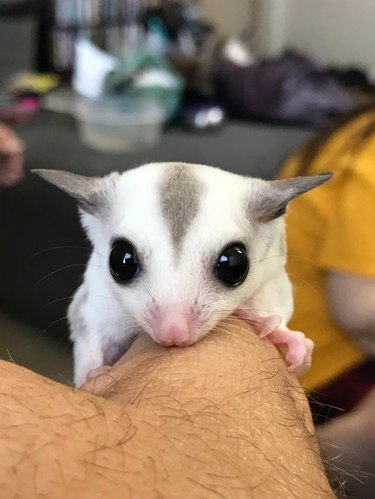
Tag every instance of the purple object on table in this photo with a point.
(290, 89)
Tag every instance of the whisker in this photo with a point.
(64, 337)
(73, 265)
(251, 309)
(58, 300)
(302, 257)
(46, 250)
(59, 270)
(269, 257)
(118, 324)
(52, 324)
(304, 281)
(148, 292)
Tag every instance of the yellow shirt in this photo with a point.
(331, 228)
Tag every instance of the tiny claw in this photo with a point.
(300, 348)
(301, 367)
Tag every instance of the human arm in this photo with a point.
(351, 299)
(222, 418)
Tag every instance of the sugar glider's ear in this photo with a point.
(272, 199)
(86, 190)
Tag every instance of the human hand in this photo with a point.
(11, 157)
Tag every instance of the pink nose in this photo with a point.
(173, 327)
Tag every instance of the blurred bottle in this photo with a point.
(113, 25)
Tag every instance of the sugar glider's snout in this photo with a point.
(174, 325)
(168, 322)
(183, 321)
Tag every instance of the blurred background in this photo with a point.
(93, 86)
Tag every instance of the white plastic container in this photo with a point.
(116, 125)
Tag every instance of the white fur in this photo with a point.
(104, 314)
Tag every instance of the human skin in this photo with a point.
(11, 157)
(221, 419)
(351, 300)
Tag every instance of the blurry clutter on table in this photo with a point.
(21, 94)
(126, 68)
(123, 104)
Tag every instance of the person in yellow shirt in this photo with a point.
(331, 261)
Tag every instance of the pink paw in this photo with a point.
(300, 348)
(97, 372)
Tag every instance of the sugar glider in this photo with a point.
(176, 248)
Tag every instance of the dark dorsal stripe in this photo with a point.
(179, 197)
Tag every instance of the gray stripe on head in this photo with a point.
(180, 194)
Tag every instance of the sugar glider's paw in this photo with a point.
(299, 348)
(97, 372)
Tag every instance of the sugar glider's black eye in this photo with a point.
(232, 265)
(123, 262)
